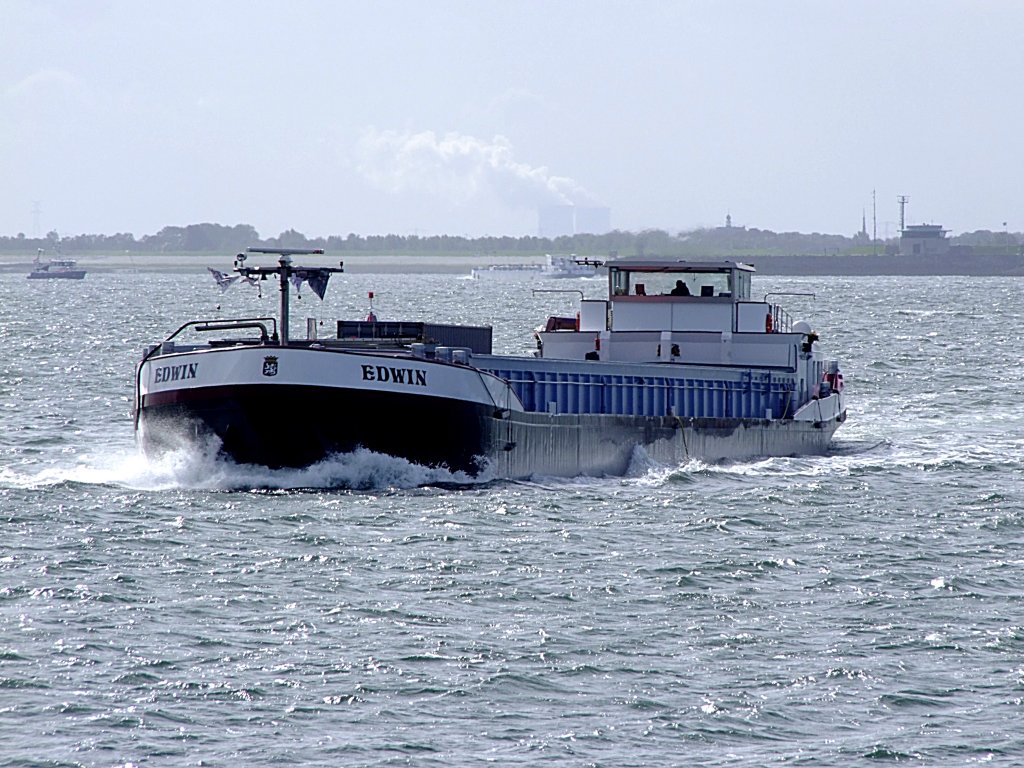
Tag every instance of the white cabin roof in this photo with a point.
(677, 265)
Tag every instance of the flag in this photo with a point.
(317, 279)
(223, 281)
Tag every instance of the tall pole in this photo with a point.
(902, 200)
(286, 263)
(874, 224)
(284, 271)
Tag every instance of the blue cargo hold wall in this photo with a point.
(743, 394)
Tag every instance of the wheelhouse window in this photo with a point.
(741, 285)
(620, 282)
(719, 283)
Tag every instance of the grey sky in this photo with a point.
(461, 117)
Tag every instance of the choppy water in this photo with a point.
(856, 608)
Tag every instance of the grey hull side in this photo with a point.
(526, 444)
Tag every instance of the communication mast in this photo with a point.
(874, 224)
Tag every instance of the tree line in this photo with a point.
(218, 238)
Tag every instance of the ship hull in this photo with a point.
(316, 404)
(296, 426)
(68, 275)
(458, 436)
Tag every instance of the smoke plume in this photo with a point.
(461, 169)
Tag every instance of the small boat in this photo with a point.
(553, 267)
(678, 360)
(54, 269)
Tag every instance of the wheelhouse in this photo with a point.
(679, 279)
(676, 311)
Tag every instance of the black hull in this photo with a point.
(296, 426)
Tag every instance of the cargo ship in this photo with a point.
(678, 361)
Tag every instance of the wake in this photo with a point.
(203, 469)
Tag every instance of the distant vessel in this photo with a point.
(679, 359)
(554, 267)
(54, 269)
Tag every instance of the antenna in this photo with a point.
(874, 223)
(902, 200)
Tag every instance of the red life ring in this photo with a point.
(768, 324)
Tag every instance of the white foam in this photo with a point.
(204, 469)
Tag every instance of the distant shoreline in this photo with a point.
(843, 265)
(150, 262)
(869, 264)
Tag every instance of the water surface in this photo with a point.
(858, 607)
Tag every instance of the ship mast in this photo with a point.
(284, 271)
